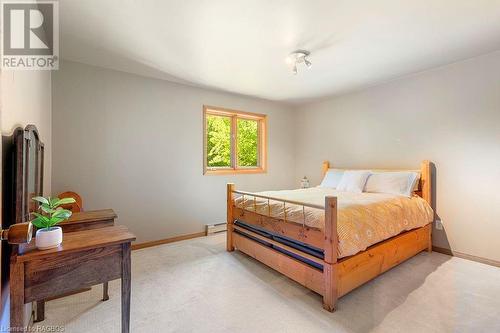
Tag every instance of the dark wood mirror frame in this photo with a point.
(16, 165)
(27, 144)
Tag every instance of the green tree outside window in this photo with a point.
(248, 144)
(218, 141)
(229, 133)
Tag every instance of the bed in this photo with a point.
(331, 241)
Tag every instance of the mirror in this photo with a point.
(32, 168)
(30, 171)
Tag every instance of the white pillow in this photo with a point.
(400, 182)
(417, 182)
(353, 181)
(332, 178)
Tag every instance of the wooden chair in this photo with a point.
(74, 207)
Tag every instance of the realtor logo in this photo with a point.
(30, 38)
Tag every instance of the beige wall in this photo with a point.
(450, 115)
(135, 144)
(26, 99)
(121, 138)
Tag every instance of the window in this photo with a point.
(234, 141)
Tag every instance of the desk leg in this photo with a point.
(105, 295)
(17, 297)
(40, 311)
(126, 284)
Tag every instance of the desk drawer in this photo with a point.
(50, 277)
(67, 227)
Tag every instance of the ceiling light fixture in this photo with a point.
(298, 57)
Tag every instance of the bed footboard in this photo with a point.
(282, 257)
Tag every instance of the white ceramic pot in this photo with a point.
(48, 238)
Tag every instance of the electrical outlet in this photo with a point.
(439, 225)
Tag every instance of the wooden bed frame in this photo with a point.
(339, 276)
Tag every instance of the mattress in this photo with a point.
(363, 219)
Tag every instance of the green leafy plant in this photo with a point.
(51, 212)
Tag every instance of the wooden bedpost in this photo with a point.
(330, 273)
(230, 220)
(426, 179)
(324, 168)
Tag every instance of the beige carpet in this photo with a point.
(195, 286)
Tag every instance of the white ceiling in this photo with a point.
(240, 46)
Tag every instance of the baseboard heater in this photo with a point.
(215, 228)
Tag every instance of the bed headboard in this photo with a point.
(425, 183)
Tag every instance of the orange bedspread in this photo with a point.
(363, 219)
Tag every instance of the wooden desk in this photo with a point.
(92, 219)
(85, 258)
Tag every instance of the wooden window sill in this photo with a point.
(234, 171)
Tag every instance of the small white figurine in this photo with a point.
(304, 183)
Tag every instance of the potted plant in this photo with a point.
(48, 234)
